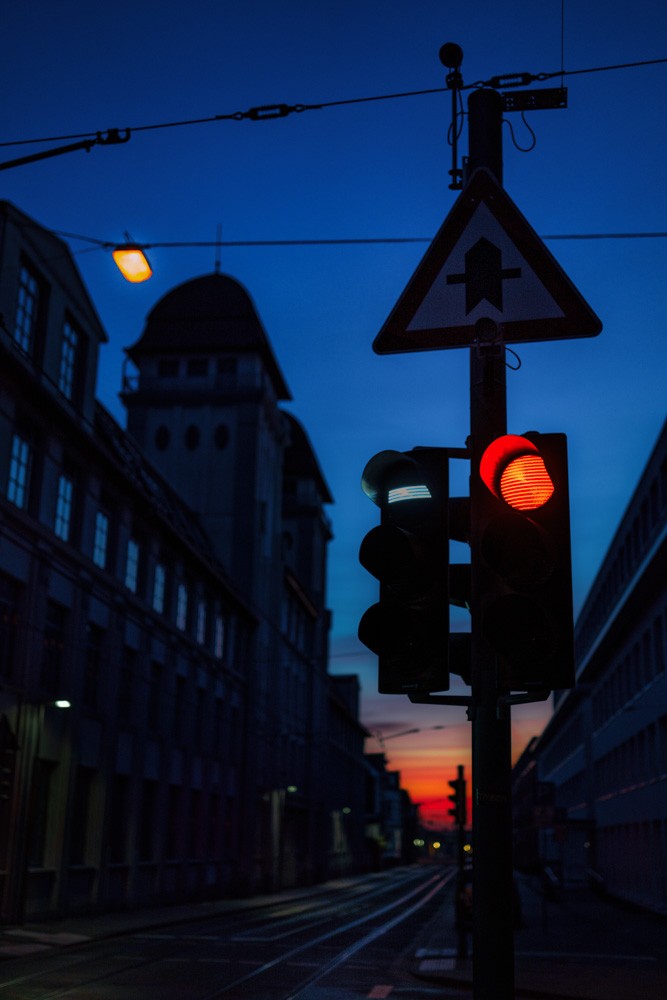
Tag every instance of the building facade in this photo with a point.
(591, 792)
(165, 705)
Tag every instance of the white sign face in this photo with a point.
(486, 262)
(484, 276)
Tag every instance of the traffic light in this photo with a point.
(459, 809)
(408, 552)
(7, 762)
(524, 538)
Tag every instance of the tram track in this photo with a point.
(198, 962)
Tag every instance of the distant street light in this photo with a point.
(404, 732)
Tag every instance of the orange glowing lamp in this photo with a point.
(514, 471)
(132, 262)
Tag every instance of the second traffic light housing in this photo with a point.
(525, 540)
(408, 552)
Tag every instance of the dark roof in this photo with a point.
(211, 313)
(300, 459)
(54, 257)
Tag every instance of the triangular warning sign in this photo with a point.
(485, 262)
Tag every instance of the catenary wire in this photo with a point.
(109, 244)
(282, 110)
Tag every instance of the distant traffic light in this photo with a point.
(408, 552)
(7, 767)
(459, 810)
(525, 540)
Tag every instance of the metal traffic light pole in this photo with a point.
(493, 941)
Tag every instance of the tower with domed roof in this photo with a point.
(204, 408)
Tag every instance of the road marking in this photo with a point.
(586, 956)
(45, 938)
(435, 953)
(380, 992)
(156, 937)
(16, 950)
(437, 964)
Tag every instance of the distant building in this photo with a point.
(346, 778)
(591, 792)
(167, 581)
(391, 816)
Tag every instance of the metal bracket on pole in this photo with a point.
(505, 701)
(440, 699)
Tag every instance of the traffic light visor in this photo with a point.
(514, 471)
(391, 477)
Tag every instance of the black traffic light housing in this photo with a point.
(459, 810)
(408, 552)
(525, 540)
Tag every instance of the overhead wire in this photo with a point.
(109, 244)
(282, 110)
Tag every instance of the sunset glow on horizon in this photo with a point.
(427, 758)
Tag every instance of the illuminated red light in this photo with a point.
(514, 471)
(525, 484)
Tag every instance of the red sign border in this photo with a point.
(578, 320)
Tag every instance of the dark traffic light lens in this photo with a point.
(521, 632)
(520, 549)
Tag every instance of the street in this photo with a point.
(351, 941)
(389, 934)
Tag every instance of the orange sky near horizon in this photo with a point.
(428, 759)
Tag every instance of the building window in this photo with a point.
(147, 825)
(162, 438)
(174, 819)
(64, 508)
(81, 813)
(219, 639)
(9, 600)
(197, 367)
(53, 651)
(167, 368)
(40, 801)
(153, 707)
(201, 623)
(19, 472)
(158, 588)
(221, 437)
(132, 565)
(68, 353)
(118, 798)
(192, 436)
(182, 607)
(92, 665)
(101, 539)
(180, 711)
(26, 309)
(125, 679)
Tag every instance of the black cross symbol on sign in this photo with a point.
(484, 275)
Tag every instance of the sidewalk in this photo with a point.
(16, 942)
(584, 947)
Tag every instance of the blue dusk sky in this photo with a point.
(364, 170)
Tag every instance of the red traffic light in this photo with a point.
(514, 471)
